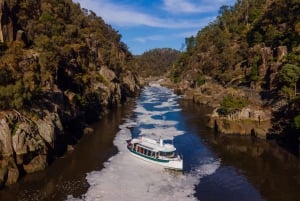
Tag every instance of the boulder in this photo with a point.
(129, 83)
(47, 131)
(88, 130)
(6, 147)
(22, 141)
(266, 54)
(12, 171)
(38, 163)
(281, 53)
(3, 176)
(19, 142)
(12, 176)
(107, 73)
(27, 139)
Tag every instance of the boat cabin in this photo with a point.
(153, 149)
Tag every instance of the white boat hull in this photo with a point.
(176, 164)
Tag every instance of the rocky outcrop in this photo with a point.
(24, 144)
(59, 88)
(248, 121)
(38, 163)
(281, 53)
(269, 62)
(130, 85)
(251, 120)
(6, 146)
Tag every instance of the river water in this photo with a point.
(216, 168)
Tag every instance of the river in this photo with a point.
(216, 168)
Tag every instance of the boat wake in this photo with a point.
(125, 177)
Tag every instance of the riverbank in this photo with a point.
(67, 174)
(254, 119)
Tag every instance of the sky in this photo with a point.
(148, 24)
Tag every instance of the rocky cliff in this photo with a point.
(250, 53)
(61, 67)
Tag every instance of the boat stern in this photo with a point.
(176, 164)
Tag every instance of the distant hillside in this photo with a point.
(156, 62)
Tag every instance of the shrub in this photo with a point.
(231, 104)
(297, 122)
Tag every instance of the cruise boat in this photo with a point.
(157, 152)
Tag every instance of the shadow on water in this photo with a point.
(283, 131)
(272, 171)
(66, 175)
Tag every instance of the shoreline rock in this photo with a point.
(252, 120)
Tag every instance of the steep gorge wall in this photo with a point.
(79, 85)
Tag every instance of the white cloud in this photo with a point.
(150, 38)
(122, 15)
(165, 37)
(181, 6)
(189, 6)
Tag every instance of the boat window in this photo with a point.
(167, 154)
(153, 154)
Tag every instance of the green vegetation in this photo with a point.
(64, 47)
(231, 104)
(200, 80)
(231, 45)
(156, 62)
(289, 76)
(253, 44)
(297, 121)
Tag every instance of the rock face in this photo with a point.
(7, 23)
(267, 68)
(6, 147)
(248, 121)
(78, 81)
(23, 144)
(251, 120)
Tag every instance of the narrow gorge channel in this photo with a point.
(227, 168)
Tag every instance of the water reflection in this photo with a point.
(270, 169)
(67, 175)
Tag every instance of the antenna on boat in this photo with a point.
(161, 142)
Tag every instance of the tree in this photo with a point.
(297, 122)
(289, 75)
(231, 104)
(190, 43)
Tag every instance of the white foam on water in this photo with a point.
(169, 103)
(127, 178)
(161, 132)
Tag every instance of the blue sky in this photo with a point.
(148, 24)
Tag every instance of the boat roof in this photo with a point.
(153, 145)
